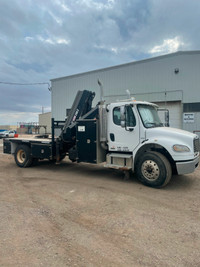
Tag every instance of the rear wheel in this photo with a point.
(23, 156)
(153, 169)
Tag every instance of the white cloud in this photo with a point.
(97, 4)
(14, 118)
(52, 41)
(57, 19)
(63, 5)
(63, 41)
(36, 106)
(114, 50)
(28, 38)
(49, 41)
(168, 46)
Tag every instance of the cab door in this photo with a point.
(123, 139)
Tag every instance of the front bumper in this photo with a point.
(187, 166)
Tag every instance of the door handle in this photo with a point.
(112, 137)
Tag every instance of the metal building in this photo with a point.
(45, 120)
(172, 81)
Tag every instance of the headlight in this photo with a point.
(181, 148)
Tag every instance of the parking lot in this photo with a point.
(85, 215)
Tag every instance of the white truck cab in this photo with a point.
(138, 141)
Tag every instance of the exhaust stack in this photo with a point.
(101, 91)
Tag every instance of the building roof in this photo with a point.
(130, 63)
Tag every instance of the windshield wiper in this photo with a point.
(153, 124)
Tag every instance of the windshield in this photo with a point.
(149, 116)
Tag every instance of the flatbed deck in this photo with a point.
(30, 140)
(27, 149)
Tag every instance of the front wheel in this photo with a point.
(153, 169)
(23, 156)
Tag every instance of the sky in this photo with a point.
(45, 39)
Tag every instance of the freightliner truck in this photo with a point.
(126, 135)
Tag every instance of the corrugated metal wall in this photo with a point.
(151, 80)
(45, 120)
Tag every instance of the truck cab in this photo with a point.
(138, 140)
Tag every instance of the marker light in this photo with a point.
(181, 148)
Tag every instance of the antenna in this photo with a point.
(101, 90)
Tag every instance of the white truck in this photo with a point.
(126, 135)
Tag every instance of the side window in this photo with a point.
(130, 117)
(116, 116)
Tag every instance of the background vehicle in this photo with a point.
(7, 134)
(126, 135)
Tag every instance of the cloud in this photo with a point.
(52, 41)
(63, 5)
(41, 40)
(15, 118)
(168, 46)
(98, 5)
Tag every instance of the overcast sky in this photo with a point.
(45, 39)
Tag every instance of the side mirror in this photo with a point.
(123, 125)
(164, 116)
(123, 116)
(167, 118)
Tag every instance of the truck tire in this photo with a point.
(153, 169)
(23, 156)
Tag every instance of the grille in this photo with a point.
(196, 145)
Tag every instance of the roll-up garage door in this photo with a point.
(175, 113)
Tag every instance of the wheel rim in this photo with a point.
(21, 156)
(150, 170)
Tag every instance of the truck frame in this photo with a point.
(126, 135)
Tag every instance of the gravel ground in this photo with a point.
(85, 215)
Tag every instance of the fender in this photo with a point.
(150, 145)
